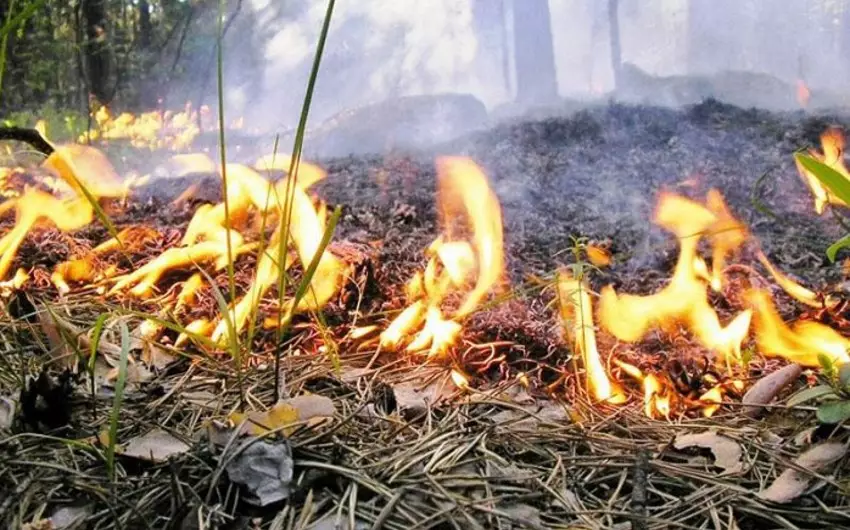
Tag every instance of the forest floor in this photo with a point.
(405, 447)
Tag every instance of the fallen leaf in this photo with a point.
(155, 356)
(60, 350)
(308, 408)
(791, 483)
(155, 446)
(8, 408)
(527, 516)
(531, 417)
(333, 523)
(264, 469)
(727, 452)
(598, 256)
(767, 388)
(409, 396)
(68, 517)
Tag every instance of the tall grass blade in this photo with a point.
(10, 25)
(301, 291)
(286, 217)
(222, 146)
(116, 403)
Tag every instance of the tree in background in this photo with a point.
(96, 50)
(614, 34)
(536, 78)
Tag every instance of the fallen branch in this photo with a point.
(28, 136)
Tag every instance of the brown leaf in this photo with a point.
(60, 350)
(286, 414)
(727, 452)
(768, 387)
(791, 483)
(155, 446)
(411, 397)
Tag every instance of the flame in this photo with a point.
(655, 399)
(802, 344)
(712, 399)
(153, 130)
(576, 307)
(803, 94)
(794, 289)
(684, 300)
(466, 258)
(832, 143)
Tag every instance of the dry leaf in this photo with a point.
(792, 483)
(409, 396)
(532, 417)
(264, 469)
(598, 256)
(155, 356)
(67, 517)
(308, 408)
(767, 388)
(727, 452)
(60, 350)
(155, 446)
(8, 407)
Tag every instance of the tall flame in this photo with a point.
(684, 300)
(467, 258)
(576, 307)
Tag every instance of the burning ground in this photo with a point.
(499, 425)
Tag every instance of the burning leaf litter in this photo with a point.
(388, 451)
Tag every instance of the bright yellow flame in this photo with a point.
(684, 300)
(154, 130)
(712, 400)
(466, 258)
(801, 344)
(794, 289)
(576, 308)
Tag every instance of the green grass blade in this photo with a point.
(832, 179)
(297, 148)
(119, 398)
(231, 274)
(835, 247)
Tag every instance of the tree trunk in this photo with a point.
(96, 49)
(144, 25)
(536, 78)
(614, 33)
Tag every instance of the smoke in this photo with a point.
(379, 50)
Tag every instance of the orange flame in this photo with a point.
(803, 94)
(467, 258)
(576, 307)
(794, 289)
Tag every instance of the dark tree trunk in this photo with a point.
(145, 29)
(534, 52)
(614, 32)
(96, 49)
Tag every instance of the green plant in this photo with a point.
(115, 415)
(837, 185)
(832, 395)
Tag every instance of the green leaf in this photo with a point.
(834, 411)
(832, 179)
(810, 394)
(827, 365)
(835, 247)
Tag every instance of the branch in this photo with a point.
(28, 136)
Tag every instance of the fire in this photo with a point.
(465, 260)
(154, 130)
(832, 143)
(87, 176)
(794, 289)
(576, 308)
(803, 343)
(803, 94)
(684, 301)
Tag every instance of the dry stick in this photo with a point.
(28, 136)
(639, 498)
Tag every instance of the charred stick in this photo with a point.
(27, 136)
(639, 499)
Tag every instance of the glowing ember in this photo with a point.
(466, 259)
(576, 308)
(832, 142)
(803, 94)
